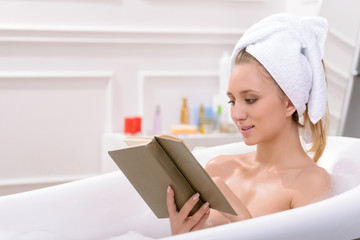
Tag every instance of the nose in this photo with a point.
(238, 112)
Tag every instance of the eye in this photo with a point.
(250, 100)
(231, 102)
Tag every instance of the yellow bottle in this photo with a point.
(201, 119)
(184, 112)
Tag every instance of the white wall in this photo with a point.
(70, 71)
(343, 39)
(303, 7)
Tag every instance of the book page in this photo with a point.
(136, 141)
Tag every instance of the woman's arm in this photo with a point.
(240, 209)
(219, 168)
(312, 185)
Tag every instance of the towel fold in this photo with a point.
(291, 49)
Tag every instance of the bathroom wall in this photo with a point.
(342, 59)
(71, 70)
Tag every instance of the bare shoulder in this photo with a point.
(224, 165)
(312, 184)
(213, 165)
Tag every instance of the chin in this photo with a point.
(249, 141)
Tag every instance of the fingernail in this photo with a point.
(196, 196)
(206, 205)
(168, 189)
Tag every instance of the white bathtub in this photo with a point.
(107, 206)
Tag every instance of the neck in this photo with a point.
(279, 150)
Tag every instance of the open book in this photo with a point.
(152, 164)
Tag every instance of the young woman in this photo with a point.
(277, 87)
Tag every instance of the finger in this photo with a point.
(201, 222)
(170, 201)
(189, 205)
(198, 215)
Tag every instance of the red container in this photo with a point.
(132, 125)
(137, 124)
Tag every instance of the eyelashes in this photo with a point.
(247, 100)
(250, 100)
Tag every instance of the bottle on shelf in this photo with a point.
(157, 120)
(184, 119)
(218, 119)
(201, 119)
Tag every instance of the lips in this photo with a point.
(244, 128)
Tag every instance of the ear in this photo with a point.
(289, 107)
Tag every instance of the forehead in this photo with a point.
(251, 76)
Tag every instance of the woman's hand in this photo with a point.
(180, 221)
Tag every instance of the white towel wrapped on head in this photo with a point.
(291, 49)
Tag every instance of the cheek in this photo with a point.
(270, 114)
(232, 113)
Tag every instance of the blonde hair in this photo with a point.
(319, 131)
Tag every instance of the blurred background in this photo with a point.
(73, 72)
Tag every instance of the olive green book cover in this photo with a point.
(151, 165)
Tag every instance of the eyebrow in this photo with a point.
(243, 92)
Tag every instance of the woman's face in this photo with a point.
(257, 108)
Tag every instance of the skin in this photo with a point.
(278, 176)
